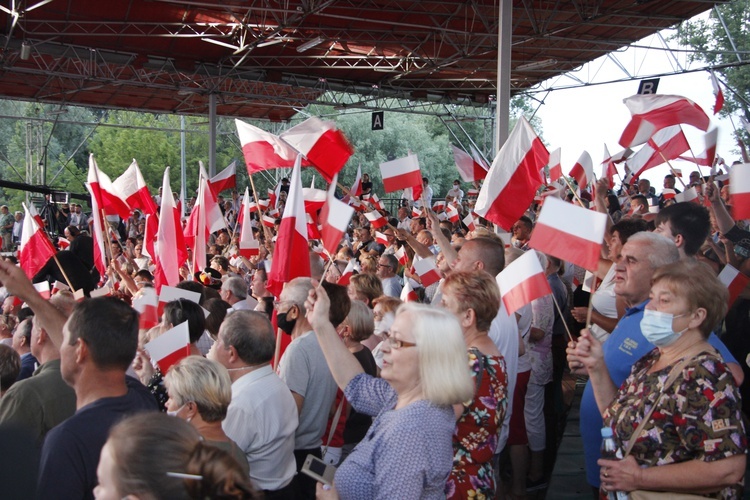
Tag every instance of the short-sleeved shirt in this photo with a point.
(699, 417)
(304, 369)
(71, 450)
(407, 453)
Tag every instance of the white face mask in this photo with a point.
(174, 413)
(384, 324)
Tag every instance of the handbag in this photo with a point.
(658, 495)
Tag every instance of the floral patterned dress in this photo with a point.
(475, 437)
(699, 418)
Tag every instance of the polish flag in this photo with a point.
(735, 282)
(347, 274)
(108, 197)
(402, 173)
(170, 250)
(583, 170)
(739, 187)
(357, 205)
(98, 233)
(401, 255)
(59, 286)
(376, 220)
(226, 179)
(666, 144)
(416, 213)
(171, 293)
(104, 291)
(381, 238)
(249, 246)
(63, 243)
(569, 232)
(468, 168)
(322, 143)
(689, 194)
(472, 193)
(438, 206)
(133, 187)
(291, 256)
(263, 150)
(609, 170)
(33, 212)
(314, 199)
(653, 112)
(375, 202)
(522, 282)
(170, 347)
(264, 204)
(356, 189)
(149, 237)
(452, 213)
(514, 177)
(668, 194)
(719, 103)
(313, 233)
(43, 289)
(427, 271)
(707, 157)
(407, 293)
(147, 305)
(469, 222)
(268, 221)
(35, 249)
(555, 167)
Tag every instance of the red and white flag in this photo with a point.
(401, 255)
(555, 166)
(653, 112)
(468, 167)
(334, 217)
(268, 221)
(427, 271)
(108, 197)
(36, 248)
(291, 256)
(147, 305)
(707, 157)
(322, 143)
(689, 194)
(472, 193)
(569, 232)
(63, 243)
(735, 282)
(376, 220)
(469, 222)
(739, 187)
(416, 213)
(718, 94)
(666, 144)
(43, 289)
(133, 187)
(249, 246)
(381, 238)
(375, 202)
(403, 173)
(347, 274)
(452, 213)
(668, 194)
(171, 293)
(514, 177)
(59, 286)
(583, 170)
(263, 150)
(170, 347)
(438, 206)
(33, 212)
(226, 179)
(407, 293)
(313, 232)
(170, 250)
(314, 199)
(104, 291)
(264, 204)
(522, 282)
(356, 189)
(609, 170)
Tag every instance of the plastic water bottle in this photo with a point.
(609, 451)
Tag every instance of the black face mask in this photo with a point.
(286, 325)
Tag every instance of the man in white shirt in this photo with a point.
(455, 194)
(234, 292)
(262, 417)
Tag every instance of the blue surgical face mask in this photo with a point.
(656, 327)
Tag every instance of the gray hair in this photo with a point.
(296, 292)
(662, 251)
(237, 286)
(251, 335)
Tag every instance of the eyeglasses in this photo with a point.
(398, 343)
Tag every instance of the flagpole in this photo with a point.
(562, 318)
(266, 230)
(580, 202)
(673, 170)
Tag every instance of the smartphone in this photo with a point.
(319, 470)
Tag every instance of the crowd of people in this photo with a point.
(409, 388)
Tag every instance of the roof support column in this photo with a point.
(212, 123)
(504, 39)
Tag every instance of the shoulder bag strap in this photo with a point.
(673, 374)
(334, 424)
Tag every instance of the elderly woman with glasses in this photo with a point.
(407, 452)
